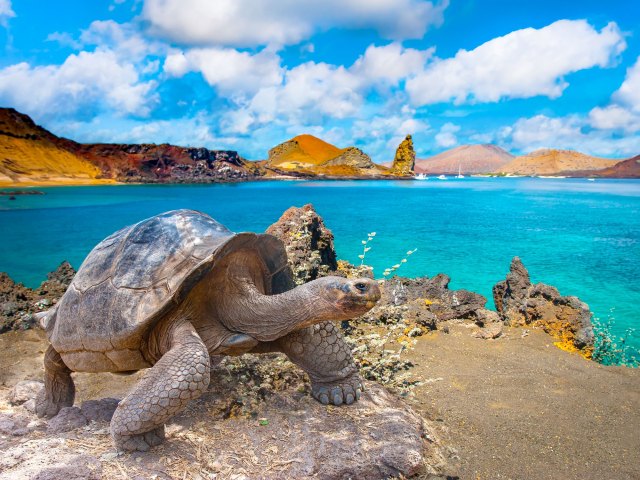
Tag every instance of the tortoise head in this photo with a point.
(346, 298)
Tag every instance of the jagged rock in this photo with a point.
(427, 302)
(24, 391)
(568, 319)
(18, 303)
(309, 243)
(405, 159)
(69, 418)
(352, 157)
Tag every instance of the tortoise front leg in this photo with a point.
(59, 390)
(181, 375)
(321, 351)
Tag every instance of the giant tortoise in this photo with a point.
(174, 290)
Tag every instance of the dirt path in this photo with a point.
(519, 408)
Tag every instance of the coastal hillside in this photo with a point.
(554, 162)
(467, 158)
(29, 154)
(307, 155)
(629, 168)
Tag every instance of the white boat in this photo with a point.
(459, 172)
(441, 177)
(591, 179)
(421, 176)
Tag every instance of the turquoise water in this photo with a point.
(583, 237)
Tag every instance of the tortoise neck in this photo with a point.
(246, 309)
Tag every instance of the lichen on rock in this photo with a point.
(308, 242)
(567, 319)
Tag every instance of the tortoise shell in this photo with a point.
(139, 274)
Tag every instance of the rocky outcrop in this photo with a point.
(428, 301)
(18, 303)
(405, 158)
(308, 156)
(309, 243)
(32, 154)
(567, 319)
(352, 157)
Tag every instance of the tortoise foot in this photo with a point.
(141, 442)
(342, 391)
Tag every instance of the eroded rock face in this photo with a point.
(405, 158)
(519, 302)
(309, 243)
(18, 303)
(352, 157)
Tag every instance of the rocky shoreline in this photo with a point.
(422, 350)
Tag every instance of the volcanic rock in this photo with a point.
(308, 242)
(405, 158)
(519, 303)
(24, 391)
(18, 303)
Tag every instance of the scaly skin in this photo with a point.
(321, 351)
(59, 390)
(181, 375)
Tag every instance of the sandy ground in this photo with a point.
(519, 408)
(511, 408)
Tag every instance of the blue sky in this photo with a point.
(249, 74)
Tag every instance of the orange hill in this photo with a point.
(29, 155)
(467, 158)
(310, 156)
(554, 162)
(629, 168)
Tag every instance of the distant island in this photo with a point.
(31, 155)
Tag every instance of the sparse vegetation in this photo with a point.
(610, 349)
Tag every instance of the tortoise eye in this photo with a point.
(361, 286)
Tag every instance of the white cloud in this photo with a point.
(65, 39)
(446, 137)
(84, 81)
(570, 132)
(629, 92)
(122, 38)
(6, 12)
(232, 72)
(624, 112)
(390, 63)
(246, 23)
(521, 64)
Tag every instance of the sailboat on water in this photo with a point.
(459, 172)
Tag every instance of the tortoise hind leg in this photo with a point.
(322, 352)
(181, 375)
(59, 390)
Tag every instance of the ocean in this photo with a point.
(582, 237)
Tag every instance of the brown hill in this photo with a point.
(554, 162)
(307, 155)
(29, 154)
(468, 158)
(629, 168)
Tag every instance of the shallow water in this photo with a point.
(583, 237)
